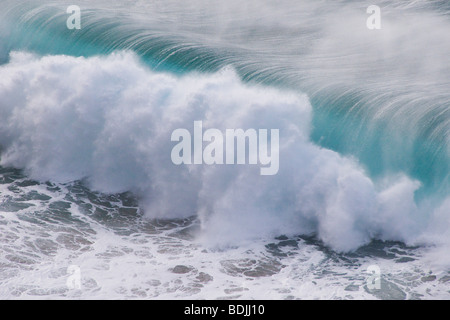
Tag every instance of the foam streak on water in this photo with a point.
(47, 228)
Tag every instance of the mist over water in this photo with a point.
(364, 115)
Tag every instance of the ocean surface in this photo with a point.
(93, 207)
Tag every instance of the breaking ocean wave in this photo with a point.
(87, 178)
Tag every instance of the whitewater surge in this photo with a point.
(108, 120)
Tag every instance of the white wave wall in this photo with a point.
(109, 120)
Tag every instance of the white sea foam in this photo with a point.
(110, 119)
(40, 247)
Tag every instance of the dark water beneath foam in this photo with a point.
(47, 228)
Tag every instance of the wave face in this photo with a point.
(364, 155)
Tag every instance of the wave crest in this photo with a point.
(109, 120)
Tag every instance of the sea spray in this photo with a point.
(119, 140)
